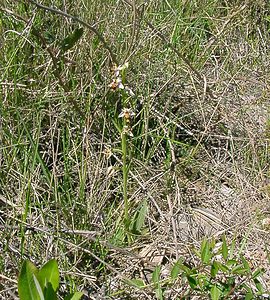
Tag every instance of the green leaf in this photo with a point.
(74, 296)
(156, 275)
(203, 280)
(223, 268)
(159, 293)
(176, 269)
(49, 292)
(245, 263)
(37, 156)
(205, 251)
(187, 270)
(224, 248)
(249, 296)
(139, 283)
(192, 282)
(140, 217)
(230, 281)
(258, 286)
(197, 253)
(212, 243)
(231, 262)
(71, 39)
(26, 284)
(214, 269)
(239, 270)
(257, 273)
(249, 293)
(155, 280)
(49, 273)
(38, 287)
(215, 293)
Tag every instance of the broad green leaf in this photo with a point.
(245, 263)
(240, 270)
(231, 262)
(155, 280)
(258, 286)
(223, 268)
(38, 287)
(159, 293)
(205, 252)
(26, 285)
(156, 275)
(192, 282)
(249, 293)
(49, 273)
(203, 280)
(176, 269)
(215, 293)
(140, 217)
(139, 283)
(49, 292)
(231, 281)
(224, 248)
(71, 39)
(197, 253)
(187, 270)
(74, 296)
(214, 269)
(212, 243)
(226, 289)
(257, 273)
(249, 296)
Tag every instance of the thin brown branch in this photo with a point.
(137, 14)
(55, 60)
(175, 50)
(83, 23)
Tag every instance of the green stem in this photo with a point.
(125, 173)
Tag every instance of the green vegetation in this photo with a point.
(216, 276)
(134, 138)
(43, 284)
